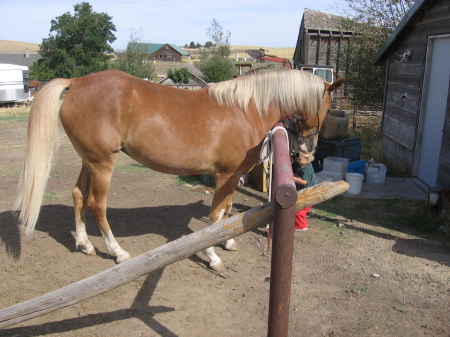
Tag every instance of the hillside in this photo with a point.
(16, 47)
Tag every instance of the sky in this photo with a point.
(251, 22)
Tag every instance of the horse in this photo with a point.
(217, 130)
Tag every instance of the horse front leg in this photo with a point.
(230, 244)
(220, 209)
(97, 201)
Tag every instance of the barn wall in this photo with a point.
(401, 116)
(321, 48)
(167, 54)
(444, 162)
(300, 49)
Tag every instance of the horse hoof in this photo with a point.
(218, 266)
(231, 246)
(88, 250)
(123, 258)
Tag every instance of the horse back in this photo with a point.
(167, 129)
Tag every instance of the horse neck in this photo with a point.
(273, 116)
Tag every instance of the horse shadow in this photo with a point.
(171, 222)
(168, 221)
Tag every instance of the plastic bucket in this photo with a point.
(355, 180)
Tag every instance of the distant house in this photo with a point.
(196, 81)
(320, 39)
(21, 59)
(159, 51)
(416, 108)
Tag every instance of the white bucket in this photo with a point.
(355, 180)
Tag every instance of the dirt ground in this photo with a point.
(354, 279)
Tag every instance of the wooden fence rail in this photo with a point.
(162, 256)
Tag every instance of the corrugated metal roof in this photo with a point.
(152, 48)
(414, 12)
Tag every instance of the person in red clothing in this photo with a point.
(304, 177)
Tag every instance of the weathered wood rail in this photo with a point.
(162, 256)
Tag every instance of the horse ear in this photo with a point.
(336, 84)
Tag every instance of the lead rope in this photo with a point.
(266, 155)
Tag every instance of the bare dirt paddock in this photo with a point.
(362, 279)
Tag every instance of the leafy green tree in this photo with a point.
(217, 69)
(214, 62)
(373, 20)
(77, 44)
(134, 60)
(39, 71)
(180, 75)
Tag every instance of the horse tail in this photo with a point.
(43, 125)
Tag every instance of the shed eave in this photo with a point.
(379, 56)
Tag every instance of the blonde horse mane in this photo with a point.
(291, 90)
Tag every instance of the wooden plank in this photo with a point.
(400, 113)
(402, 133)
(409, 108)
(396, 155)
(405, 68)
(410, 81)
(161, 256)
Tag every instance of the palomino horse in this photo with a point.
(217, 130)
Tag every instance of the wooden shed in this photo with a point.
(416, 115)
(320, 39)
(159, 51)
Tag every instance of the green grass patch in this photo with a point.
(398, 215)
(15, 113)
(361, 289)
(187, 180)
(401, 308)
(14, 118)
(51, 196)
(132, 167)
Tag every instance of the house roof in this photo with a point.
(410, 18)
(196, 75)
(322, 21)
(19, 59)
(151, 48)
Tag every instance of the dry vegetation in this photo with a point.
(12, 47)
(287, 52)
(16, 47)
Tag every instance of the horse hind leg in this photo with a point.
(220, 209)
(80, 194)
(99, 186)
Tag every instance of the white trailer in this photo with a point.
(14, 83)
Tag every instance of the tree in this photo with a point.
(77, 44)
(134, 60)
(373, 20)
(180, 75)
(217, 69)
(214, 62)
(377, 13)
